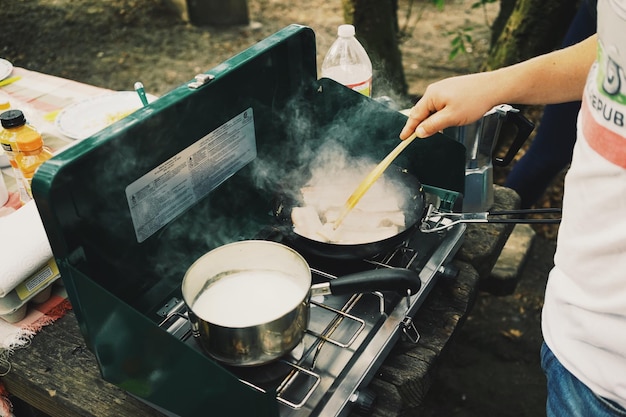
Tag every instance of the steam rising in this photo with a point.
(293, 151)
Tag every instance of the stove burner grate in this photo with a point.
(348, 336)
(294, 377)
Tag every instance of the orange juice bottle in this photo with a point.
(4, 193)
(26, 145)
(4, 106)
(13, 122)
(31, 154)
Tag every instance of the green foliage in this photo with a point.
(462, 42)
(439, 3)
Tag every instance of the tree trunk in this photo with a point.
(529, 29)
(534, 27)
(506, 8)
(376, 23)
(218, 12)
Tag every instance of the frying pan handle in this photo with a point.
(384, 279)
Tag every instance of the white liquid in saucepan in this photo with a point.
(249, 298)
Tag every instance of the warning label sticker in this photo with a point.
(177, 184)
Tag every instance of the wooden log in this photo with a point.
(410, 367)
(484, 241)
(388, 401)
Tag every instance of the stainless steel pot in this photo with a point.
(249, 301)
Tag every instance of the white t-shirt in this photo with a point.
(584, 315)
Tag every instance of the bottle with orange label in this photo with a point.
(13, 122)
(4, 192)
(25, 143)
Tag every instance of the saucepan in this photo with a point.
(414, 211)
(248, 301)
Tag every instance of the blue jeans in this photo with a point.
(568, 397)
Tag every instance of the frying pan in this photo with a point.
(412, 205)
(418, 215)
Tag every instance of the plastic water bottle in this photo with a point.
(347, 62)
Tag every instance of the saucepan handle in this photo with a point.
(383, 279)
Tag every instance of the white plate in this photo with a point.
(5, 68)
(84, 118)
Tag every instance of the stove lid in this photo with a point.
(107, 205)
(106, 200)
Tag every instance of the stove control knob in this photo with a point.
(448, 271)
(363, 402)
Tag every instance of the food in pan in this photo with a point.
(376, 217)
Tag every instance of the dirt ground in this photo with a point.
(492, 368)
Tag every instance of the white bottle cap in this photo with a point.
(345, 31)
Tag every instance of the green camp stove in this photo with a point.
(130, 208)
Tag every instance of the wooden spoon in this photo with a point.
(371, 179)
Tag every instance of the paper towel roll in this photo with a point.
(24, 246)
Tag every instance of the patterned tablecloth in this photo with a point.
(40, 97)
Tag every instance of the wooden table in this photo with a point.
(58, 375)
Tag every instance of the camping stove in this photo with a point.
(130, 208)
(348, 337)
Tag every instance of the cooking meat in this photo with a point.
(306, 221)
(379, 198)
(323, 198)
(355, 236)
(358, 218)
(377, 216)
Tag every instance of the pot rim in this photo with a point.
(191, 292)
